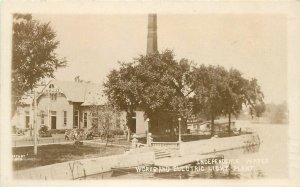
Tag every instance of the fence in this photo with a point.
(40, 141)
(165, 144)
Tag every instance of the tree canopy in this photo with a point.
(153, 83)
(34, 54)
(158, 82)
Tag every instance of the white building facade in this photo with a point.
(67, 105)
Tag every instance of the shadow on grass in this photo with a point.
(51, 154)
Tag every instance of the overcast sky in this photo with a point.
(254, 44)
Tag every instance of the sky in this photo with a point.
(255, 44)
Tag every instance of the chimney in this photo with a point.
(77, 78)
(152, 34)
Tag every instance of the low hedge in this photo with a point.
(57, 131)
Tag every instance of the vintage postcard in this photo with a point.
(150, 93)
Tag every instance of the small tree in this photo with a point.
(33, 55)
(104, 119)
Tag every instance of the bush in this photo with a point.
(57, 131)
(44, 132)
(118, 132)
(19, 132)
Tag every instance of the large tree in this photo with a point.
(234, 96)
(153, 83)
(209, 84)
(157, 82)
(254, 98)
(34, 54)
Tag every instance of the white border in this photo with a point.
(289, 8)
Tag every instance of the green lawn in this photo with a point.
(51, 154)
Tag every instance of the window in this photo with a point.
(42, 119)
(52, 92)
(53, 96)
(76, 119)
(85, 120)
(65, 118)
(94, 119)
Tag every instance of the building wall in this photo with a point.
(61, 104)
(19, 118)
(141, 124)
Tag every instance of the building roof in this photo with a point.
(74, 91)
(94, 95)
(83, 92)
(27, 98)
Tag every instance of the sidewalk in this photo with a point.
(84, 167)
(24, 141)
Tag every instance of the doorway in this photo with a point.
(27, 121)
(132, 123)
(53, 119)
(76, 119)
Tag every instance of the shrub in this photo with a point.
(20, 132)
(57, 131)
(118, 132)
(44, 132)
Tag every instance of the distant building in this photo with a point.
(204, 127)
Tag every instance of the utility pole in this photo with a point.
(31, 117)
(35, 122)
(179, 130)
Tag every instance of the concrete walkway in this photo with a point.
(190, 152)
(84, 167)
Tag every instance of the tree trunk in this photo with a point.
(128, 134)
(229, 123)
(212, 126)
(106, 141)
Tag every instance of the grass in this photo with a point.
(51, 154)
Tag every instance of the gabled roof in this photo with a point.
(27, 98)
(81, 92)
(74, 91)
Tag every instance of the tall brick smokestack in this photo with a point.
(152, 34)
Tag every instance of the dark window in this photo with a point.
(65, 118)
(76, 119)
(42, 119)
(85, 119)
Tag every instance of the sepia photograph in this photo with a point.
(148, 96)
